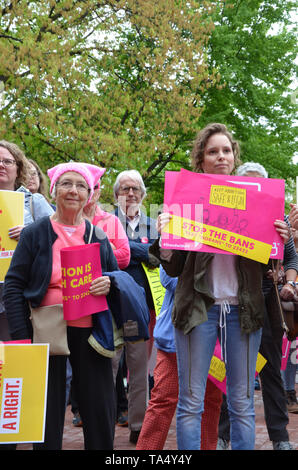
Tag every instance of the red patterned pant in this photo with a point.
(162, 407)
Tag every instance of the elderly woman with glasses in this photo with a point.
(35, 277)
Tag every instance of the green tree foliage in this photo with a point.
(254, 48)
(108, 82)
(127, 83)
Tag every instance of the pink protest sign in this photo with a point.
(18, 341)
(217, 371)
(79, 266)
(286, 350)
(286, 345)
(222, 214)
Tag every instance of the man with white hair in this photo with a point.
(252, 169)
(129, 192)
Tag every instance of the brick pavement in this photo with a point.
(73, 437)
(262, 440)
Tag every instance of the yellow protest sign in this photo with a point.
(156, 288)
(23, 389)
(217, 368)
(261, 361)
(225, 196)
(11, 214)
(219, 238)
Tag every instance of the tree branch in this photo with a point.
(5, 36)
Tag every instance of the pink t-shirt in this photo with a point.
(115, 232)
(68, 235)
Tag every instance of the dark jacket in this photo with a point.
(30, 271)
(127, 301)
(128, 306)
(140, 241)
(193, 298)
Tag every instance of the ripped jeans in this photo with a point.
(194, 353)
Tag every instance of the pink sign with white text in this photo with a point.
(224, 214)
(80, 265)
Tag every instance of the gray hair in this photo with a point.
(132, 174)
(251, 166)
(53, 192)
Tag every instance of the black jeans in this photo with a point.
(274, 397)
(93, 381)
(273, 393)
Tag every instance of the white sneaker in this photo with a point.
(222, 444)
(282, 445)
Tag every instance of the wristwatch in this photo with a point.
(292, 283)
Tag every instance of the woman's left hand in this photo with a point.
(100, 286)
(15, 232)
(283, 229)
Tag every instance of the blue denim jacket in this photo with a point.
(36, 206)
(164, 329)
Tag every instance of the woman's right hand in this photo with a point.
(162, 220)
(293, 216)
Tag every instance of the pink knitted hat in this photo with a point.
(89, 172)
(96, 180)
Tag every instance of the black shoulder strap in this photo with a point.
(90, 228)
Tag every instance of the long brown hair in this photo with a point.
(200, 142)
(43, 183)
(21, 161)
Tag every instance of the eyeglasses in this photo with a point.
(126, 189)
(33, 174)
(67, 185)
(8, 162)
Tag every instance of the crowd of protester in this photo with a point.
(207, 297)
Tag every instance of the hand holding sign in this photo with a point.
(15, 232)
(218, 214)
(162, 220)
(100, 286)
